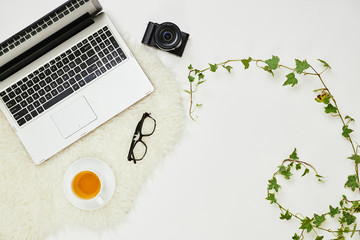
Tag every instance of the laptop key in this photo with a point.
(15, 108)
(42, 100)
(40, 109)
(11, 103)
(92, 68)
(85, 48)
(20, 114)
(5, 98)
(36, 104)
(54, 92)
(34, 113)
(82, 83)
(90, 53)
(118, 60)
(114, 42)
(48, 96)
(76, 87)
(17, 91)
(28, 117)
(12, 95)
(23, 104)
(92, 60)
(21, 122)
(90, 77)
(58, 98)
(18, 98)
(30, 108)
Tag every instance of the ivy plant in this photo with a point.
(345, 212)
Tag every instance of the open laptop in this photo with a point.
(66, 74)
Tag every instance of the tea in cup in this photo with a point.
(87, 185)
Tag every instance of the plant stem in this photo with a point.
(340, 116)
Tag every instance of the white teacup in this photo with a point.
(88, 185)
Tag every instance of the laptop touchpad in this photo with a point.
(74, 117)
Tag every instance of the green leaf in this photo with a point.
(293, 155)
(319, 90)
(353, 231)
(340, 234)
(291, 80)
(319, 219)
(333, 211)
(213, 68)
(330, 109)
(271, 198)
(301, 66)
(319, 238)
(187, 91)
(350, 118)
(200, 82)
(267, 69)
(352, 182)
(319, 177)
(306, 224)
(196, 71)
(346, 131)
(201, 76)
(199, 105)
(325, 63)
(356, 158)
(273, 184)
(327, 99)
(298, 166)
(228, 68)
(246, 62)
(287, 215)
(286, 172)
(305, 172)
(355, 204)
(324, 97)
(296, 237)
(347, 218)
(273, 63)
(190, 67)
(191, 78)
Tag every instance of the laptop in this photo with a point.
(65, 75)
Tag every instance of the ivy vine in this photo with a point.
(345, 212)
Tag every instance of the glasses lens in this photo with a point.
(139, 150)
(148, 126)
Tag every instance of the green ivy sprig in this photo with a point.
(345, 212)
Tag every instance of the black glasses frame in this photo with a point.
(137, 138)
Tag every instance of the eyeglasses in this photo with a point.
(144, 128)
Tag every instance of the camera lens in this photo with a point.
(167, 36)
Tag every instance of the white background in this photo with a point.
(213, 186)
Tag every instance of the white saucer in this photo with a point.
(97, 166)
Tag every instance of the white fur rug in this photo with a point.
(32, 202)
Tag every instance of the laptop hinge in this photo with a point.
(45, 46)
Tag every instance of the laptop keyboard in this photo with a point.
(64, 75)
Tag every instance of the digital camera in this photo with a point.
(166, 36)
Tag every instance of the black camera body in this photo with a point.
(166, 36)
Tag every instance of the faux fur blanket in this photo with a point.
(32, 201)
